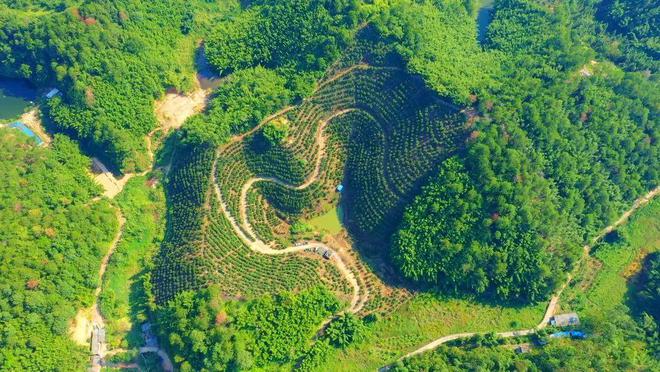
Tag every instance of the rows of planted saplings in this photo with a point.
(231, 174)
(402, 131)
(257, 217)
(337, 95)
(243, 273)
(305, 139)
(413, 154)
(291, 203)
(366, 190)
(334, 280)
(186, 187)
(291, 161)
(275, 160)
(266, 224)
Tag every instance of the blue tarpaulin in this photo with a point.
(23, 128)
(571, 334)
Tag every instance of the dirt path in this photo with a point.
(247, 235)
(87, 319)
(32, 120)
(554, 301)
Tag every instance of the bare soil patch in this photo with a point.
(174, 108)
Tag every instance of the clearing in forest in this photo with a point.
(376, 130)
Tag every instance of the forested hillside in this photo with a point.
(556, 155)
(465, 165)
(110, 58)
(51, 243)
(634, 27)
(614, 309)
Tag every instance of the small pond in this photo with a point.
(15, 97)
(206, 76)
(484, 17)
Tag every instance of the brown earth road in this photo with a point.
(248, 236)
(554, 301)
(97, 317)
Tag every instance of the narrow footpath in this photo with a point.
(247, 235)
(96, 323)
(554, 301)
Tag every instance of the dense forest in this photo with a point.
(110, 59)
(533, 138)
(51, 244)
(632, 31)
(207, 333)
(562, 145)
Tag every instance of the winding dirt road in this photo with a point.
(554, 301)
(97, 317)
(253, 242)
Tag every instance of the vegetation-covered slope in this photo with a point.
(51, 243)
(562, 146)
(474, 170)
(634, 26)
(207, 333)
(619, 335)
(110, 59)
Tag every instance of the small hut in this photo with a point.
(565, 320)
(522, 349)
(52, 93)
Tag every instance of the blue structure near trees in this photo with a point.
(23, 128)
(340, 188)
(571, 334)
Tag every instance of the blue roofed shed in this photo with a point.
(52, 93)
(340, 188)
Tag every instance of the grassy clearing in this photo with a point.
(329, 222)
(123, 300)
(602, 283)
(428, 317)
(423, 319)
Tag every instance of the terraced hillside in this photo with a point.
(377, 130)
(386, 131)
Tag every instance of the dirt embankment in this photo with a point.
(174, 108)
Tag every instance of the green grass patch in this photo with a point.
(422, 320)
(329, 222)
(614, 263)
(428, 317)
(123, 301)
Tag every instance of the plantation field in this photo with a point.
(377, 130)
(386, 130)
